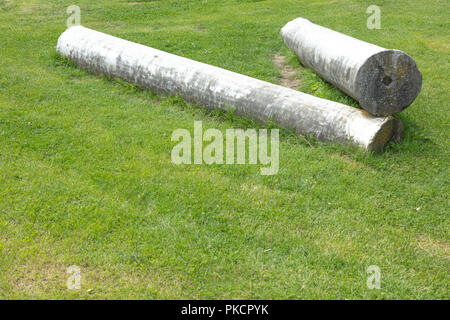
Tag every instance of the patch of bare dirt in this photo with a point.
(288, 73)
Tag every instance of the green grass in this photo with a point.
(86, 177)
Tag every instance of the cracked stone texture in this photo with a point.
(383, 81)
(217, 88)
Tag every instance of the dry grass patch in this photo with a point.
(287, 72)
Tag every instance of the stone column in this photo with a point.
(383, 81)
(217, 88)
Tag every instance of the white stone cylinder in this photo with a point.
(213, 87)
(383, 81)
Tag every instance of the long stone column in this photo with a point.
(213, 87)
(383, 81)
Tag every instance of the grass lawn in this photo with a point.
(86, 176)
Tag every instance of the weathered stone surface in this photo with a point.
(214, 87)
(383, 81)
